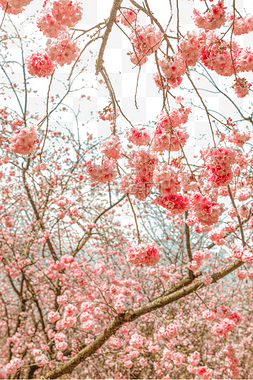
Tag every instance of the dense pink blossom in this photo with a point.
(143, 254)
(215, 54)
(49, 26)
(23, 141)
(207, 211)
(127, 17)
(213, 19)
(102, 173)
(241, 87)
(241, 25)
(217, 163)
(166, 180)
(67, 12)
(63, 49)
(238, 138)
(138, 136)
(189, 48)
(39, 64)
(143, 163)
(145, 39)
(136, 185)
(174, 203)
(111, 147)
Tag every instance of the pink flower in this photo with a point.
(241, 274)
(48, 25)
(194, 358)
(127, 17)
(41, 360)
(207, 280)
(102, 173)
(53, 316)
(62, 49)
(205, 372)
(40, 64)
(67, 12)
(209, 315)
(171, 330)
(61, 346)
(178, 358)
(241, 87)
(13, 365)
(137, 341)
(146, 39)
(174, 203)
(143, 254)
(138, 136)
(213, 19)
(111, 147)
(247, 256)
(189, 47)
(166, 180)
(59, 337)
(23, 141)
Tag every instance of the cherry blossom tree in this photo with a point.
(168, 293)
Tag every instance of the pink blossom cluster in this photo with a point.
(242, 25)
(67, 12)
(166, 85)
(111, 147)
(241, 87)
(19, 3)
(107, 114)
(136, 185)
(218, 162)
(16, 122)
(194, 358)
(53, 316)
(138, 136)
(209, 315)
(213, 19)
(14, 6)
(189, 47)
(215, 54)
(127, 17)
(224, 327)
(143, 163)
(145, 40)
(217, 235)
(198, 257)
(238, 138)
(166, 180)
(143, 254)
(13, 365)
(102, 173)
(207, 211)
(115, 342)
(137, 341)
(231, 361)
(40, 64)
(170, 133)
(173, 68)
(50, 26)
(243, 254)
(174, 203)
(23, 141)
(171, 330)
(63, 49)
(205, 372)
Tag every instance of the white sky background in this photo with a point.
(116, 62)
